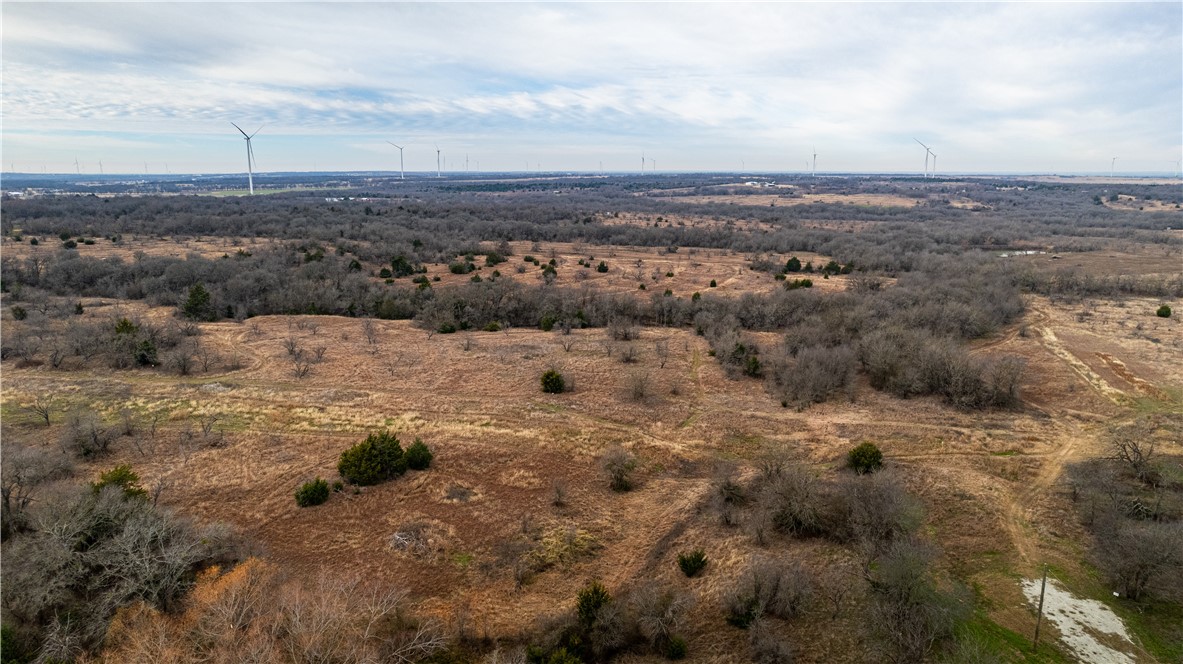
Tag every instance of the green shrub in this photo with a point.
(693, 562)
(338, 486)
(865, 458)
(385, 273)
(552, 382)
(70, 244)
(377, 458)
(591, 598)
(602, 267)
(794, 265)
(1163, 312)
(312, 493)
(676, 648)
(418, 455)
(19, 313)
(547, 323)
(34, 242)
(123, 477)
(493, 327)
(446, 328)
(713, 284)
(64, 235)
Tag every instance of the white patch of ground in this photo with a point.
(1078, 620)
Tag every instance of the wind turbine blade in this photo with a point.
(240, 130)
(257, 130)
(921, 144)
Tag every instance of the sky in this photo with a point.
(989, 87)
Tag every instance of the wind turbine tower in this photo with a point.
(926, 153)
(402, 174)
(438, 170)
(250, 157)
(77, 167)
(1112, 163)
(815, 162)
(642, 163)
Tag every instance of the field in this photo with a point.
(231, 438)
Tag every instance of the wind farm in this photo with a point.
(520, 398)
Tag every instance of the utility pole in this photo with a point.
(1039, 616)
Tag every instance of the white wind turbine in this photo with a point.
(926, 153)
(814, 162)
(250, 157)
(438, 170)
(934, 164)
(401, 173)
(1112, 163)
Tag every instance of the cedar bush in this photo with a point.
(865, 458)
(693, 562)
(1163, 312)
(552, 382)
(312, 493)
(376, 459)
(418, 455)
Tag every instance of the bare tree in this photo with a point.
(23, 472)
(662, 349)
(619, 465)
(370, 331)
(41, 406)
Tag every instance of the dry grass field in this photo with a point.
(233, 444)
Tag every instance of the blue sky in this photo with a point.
(1055, 87)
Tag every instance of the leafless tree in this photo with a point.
(619, 465)
(638, 385)
(300, 367)
(23, 472)
(558, 492)
(370, 330)
(41, 406)
(292, 346)
(662, 349)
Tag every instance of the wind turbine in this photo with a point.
(642, 163)
(100, 167)
(1111, 165)
(250, 157)
(814, 162)
(934, 165)
(401, 172)
(926, 153)
(438, 170)
(77, 168)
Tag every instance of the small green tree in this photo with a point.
(418, 455)
(1163, 312)
(199, 305)
(552, 382)
(123, 477)
(692, 562)
(377, 458)
(19, 313)
(865, 458)
(602, 267)
(591, 598)
(312, 493)
(794, 265)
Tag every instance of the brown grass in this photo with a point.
(989, 480)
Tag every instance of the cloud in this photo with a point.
(700, 82)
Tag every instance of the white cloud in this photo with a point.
(703, 81)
